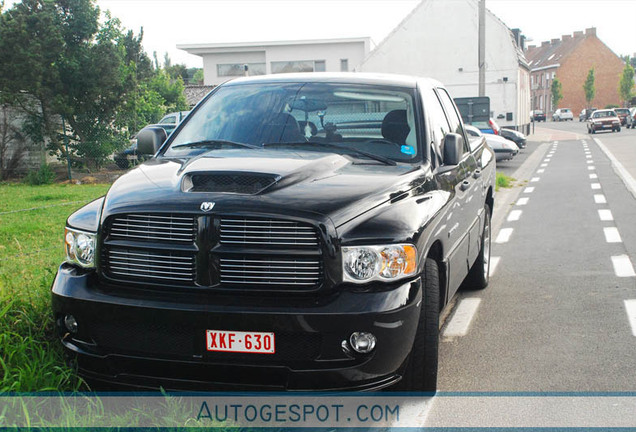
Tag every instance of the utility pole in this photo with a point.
(482, 48)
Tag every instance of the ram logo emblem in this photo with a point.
(207, 206)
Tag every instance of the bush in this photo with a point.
(45, 175)
(504, 181)
(612, 106)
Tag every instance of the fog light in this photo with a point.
(362, 342)
(70, 323)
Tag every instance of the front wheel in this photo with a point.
(479, 274)
(420, 374)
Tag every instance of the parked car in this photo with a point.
(504, 148)
(489, 127)
(585, 113)
(563, 114)
(537, 115)
(623, 114)
(605, 119)
(130, 156)
(267, 245)
(513, 135)
(173, 118)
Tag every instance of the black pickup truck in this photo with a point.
(295, 232)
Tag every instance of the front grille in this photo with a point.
(156, 264)
(231, 183)
(271, 272)
(156, 228)
(267, 232)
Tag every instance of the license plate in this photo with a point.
(240, 342)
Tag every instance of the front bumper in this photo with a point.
(151, 338)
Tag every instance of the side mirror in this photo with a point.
(453, 149)
(150, 140)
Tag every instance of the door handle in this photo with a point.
(477, 174)
(465, 185)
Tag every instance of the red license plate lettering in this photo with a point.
(241, 342)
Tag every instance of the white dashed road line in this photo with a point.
(514, 215)
(522, 201)
(596, 186)
(593, 176)
(612, 235)
(605, 215)
(534, 179)
(504, 235)
(623, 266)
(600, 199)
(529, 189)
(494, 262)
(591, 168)
(463, 316)
(630, 308)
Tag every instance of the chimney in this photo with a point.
(555, 41)
(545, 43)
(578, 34)
(531, 47)
(590, 31)
(566, 37)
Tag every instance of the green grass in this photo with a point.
(31, 249)
(504, 181)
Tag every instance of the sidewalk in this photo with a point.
(545, 134)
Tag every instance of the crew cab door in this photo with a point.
(457, 218)
(473, 183)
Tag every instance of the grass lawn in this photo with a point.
(31, 229)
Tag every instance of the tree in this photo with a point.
(198, 77)
(72, 67)
(588, 87)
(557, 93)
(626, 84)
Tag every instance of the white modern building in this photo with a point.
(439, 39)
(224, 61)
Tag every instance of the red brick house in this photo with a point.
(570, 58)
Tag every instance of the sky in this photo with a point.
(167, 23)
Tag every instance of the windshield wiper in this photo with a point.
(213, 142)
(345, 149)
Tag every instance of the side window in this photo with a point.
(451, 113)
(437, 125)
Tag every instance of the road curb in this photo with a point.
(505, 197)
(619, 169)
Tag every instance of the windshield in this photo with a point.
(372, 119)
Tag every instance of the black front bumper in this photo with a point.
(151, 338)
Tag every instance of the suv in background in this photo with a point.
(632, 118)
(623, 114)
(537, 115)
(173, 118)
(563, 114)
(585, 113)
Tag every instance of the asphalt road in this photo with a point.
(560, 312)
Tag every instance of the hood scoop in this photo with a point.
(248, 183)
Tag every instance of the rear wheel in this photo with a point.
(421, 366)
(479, 274)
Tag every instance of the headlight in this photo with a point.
(80, 247)
(385, 263)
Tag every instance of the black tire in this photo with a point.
(420, 374)
(479, 274)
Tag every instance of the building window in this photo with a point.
(344, 65)
(298, 66)
(238, 69)
(320, 66)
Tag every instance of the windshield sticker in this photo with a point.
(406, 149)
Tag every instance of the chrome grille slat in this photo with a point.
(152, 265)
(251, 231)
(281, 272)
(170, 228)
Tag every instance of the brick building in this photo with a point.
(570, 58)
